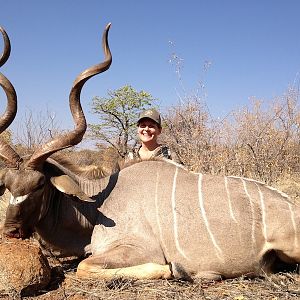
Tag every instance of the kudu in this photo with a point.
(153, 219)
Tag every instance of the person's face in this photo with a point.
(148, 130)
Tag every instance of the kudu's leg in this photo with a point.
(88, 269)
(122, 262)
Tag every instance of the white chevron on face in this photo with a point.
(218, 250)
(173, 201)
(17, 200)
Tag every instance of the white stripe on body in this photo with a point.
(157, 216)
(229, 200)
(262, 183)
(296, 241)
(252, 213)
(173, 200)
(263, 212)
(218, 250)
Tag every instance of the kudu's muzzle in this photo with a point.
(14, 225)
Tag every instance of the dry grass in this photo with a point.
(165, 290)
(275, 287)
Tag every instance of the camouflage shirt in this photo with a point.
(161, 151)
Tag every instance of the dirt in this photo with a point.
(23, 267)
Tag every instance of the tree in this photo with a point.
(192, 134)
(118, 115)
(34, 129)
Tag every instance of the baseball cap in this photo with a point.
(152, 114)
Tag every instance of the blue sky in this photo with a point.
(253, 47)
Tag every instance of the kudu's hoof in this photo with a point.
(179, 272)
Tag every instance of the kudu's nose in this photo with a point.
(16, 231)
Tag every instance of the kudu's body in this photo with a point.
(208, 226)
(154, 219)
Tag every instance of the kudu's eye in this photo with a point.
(40, 185)
(35, 186)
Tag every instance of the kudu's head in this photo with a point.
(26, 180)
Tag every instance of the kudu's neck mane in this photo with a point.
(90, 172)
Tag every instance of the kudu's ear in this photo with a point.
(67, 185)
